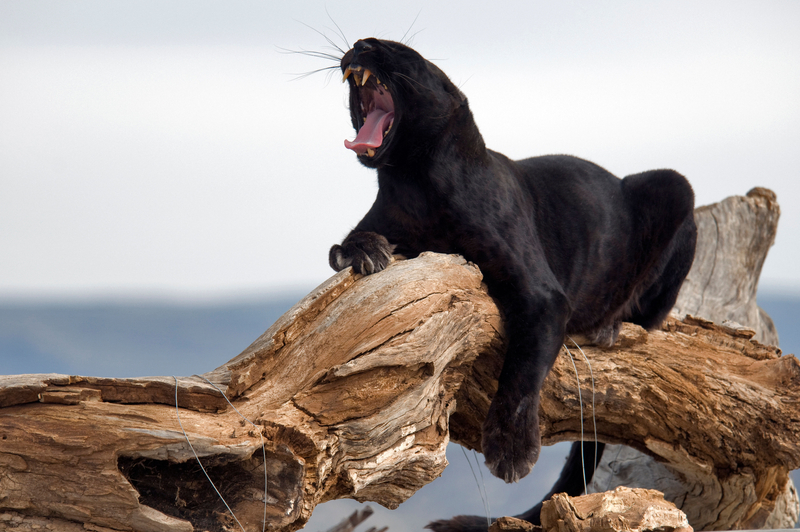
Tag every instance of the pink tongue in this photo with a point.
(371, 133)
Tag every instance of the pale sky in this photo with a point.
(166, 149)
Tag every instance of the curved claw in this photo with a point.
(366, 252)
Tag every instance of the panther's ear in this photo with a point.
(447, 85)
(455, 92)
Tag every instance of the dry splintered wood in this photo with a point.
(352, 521)
(621, 510)
(358, 389)
(734, 237)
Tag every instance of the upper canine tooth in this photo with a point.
(347, 72)
(367, 74)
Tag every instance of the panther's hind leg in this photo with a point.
(661, 204)
(655, 303)
(580, 466)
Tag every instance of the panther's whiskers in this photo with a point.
(481, 486)
(594, 416)
(580, 404)
(580, 400)
(411, 39)
(335, 55)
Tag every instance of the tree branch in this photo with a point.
(357, 391)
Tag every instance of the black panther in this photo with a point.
(565, 247)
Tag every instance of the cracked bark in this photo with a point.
(734, 237)
(357, 391)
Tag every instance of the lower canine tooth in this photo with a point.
(370, 152)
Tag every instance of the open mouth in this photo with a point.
(375, 114)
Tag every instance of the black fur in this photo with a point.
(570, 482)
(564, 246)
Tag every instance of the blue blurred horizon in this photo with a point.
(134, 338)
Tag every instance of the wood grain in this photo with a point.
(357, 391)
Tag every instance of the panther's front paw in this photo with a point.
(366, 252)
(511, 437)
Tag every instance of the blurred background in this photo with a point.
(171, 181)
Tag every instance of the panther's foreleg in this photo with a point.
(535, 322)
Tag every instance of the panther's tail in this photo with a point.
(570, 482)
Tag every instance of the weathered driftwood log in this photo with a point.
(734, 237)
(512, 524)
(624, 509)
(357, 391)
(352, 521)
